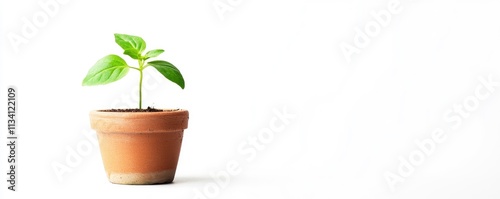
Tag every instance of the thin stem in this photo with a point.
(140, 90)
(134, 68)
(141, 67)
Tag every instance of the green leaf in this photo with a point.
(132, 53)
(128, 42)
(108, 69)
(169, 71)
(153, 53)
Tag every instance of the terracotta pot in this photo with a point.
(140, 147)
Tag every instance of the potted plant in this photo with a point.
(138, 146)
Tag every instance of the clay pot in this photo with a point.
(140, 147)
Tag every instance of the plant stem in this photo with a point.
(141, 63)
(134, 68)
(140, 90)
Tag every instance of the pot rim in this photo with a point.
(140, 122)
(102, 112)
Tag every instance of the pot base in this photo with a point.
(162, 177)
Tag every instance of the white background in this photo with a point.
(353, 120)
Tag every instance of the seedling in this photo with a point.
(112, 68)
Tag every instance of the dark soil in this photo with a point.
(149, 109)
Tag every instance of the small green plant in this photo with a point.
(112, 68)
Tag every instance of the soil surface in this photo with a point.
(149, 109)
